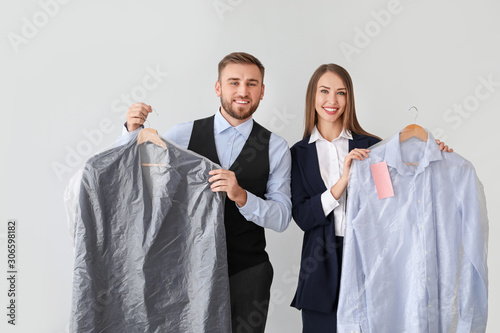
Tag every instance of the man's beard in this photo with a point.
(227, 106)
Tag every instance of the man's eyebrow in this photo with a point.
(238, 79)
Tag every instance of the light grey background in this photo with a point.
(69, 70)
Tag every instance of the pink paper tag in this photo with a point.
(383, 183)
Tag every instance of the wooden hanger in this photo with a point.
(413, 130)
(149, 134)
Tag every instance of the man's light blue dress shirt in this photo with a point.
(415, 262)
(275, 211)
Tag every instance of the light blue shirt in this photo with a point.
(274, 212)
(415, 262)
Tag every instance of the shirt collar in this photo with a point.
(221, 124)
(394, 159)
(316, 135)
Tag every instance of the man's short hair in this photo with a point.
(240, 58)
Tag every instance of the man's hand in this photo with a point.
(225, 180)
(443, 147)
(136, 115)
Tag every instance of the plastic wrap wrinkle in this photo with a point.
(415, 262)
(150, 250)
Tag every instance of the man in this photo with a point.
(255, 175)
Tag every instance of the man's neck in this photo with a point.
(231, 120)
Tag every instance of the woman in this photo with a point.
(320, 169)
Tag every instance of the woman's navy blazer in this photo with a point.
(319, 277)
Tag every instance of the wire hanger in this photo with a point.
(147, 120)
(413, 130)
(151, 135)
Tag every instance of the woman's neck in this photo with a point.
(330, 131)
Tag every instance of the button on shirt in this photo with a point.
(415, 262)
(275, 211)
(331, 155)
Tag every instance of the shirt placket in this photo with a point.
(430, 254)
(417, 251)
(334, 164)
(338, 212)
(228, 153)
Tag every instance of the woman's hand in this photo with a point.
(444, 147)
(341, 184)
(355, 154)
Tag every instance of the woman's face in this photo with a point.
(331, 96)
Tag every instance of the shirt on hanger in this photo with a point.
(150, 250)
(331, 157)
(415, 262)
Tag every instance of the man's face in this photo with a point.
(240, 89)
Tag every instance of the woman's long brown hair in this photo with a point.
(349, 119)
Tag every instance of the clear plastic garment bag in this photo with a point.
(150, 250)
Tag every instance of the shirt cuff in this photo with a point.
(125, 129)
(328, 202)
(125, 137)
(250, 208)
(348, 328)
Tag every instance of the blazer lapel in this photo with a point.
(354, 143)
(358, 141)
(312, 164)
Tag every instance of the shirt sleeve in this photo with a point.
(328, 202)
(126, 135)
(180, 134)
(275, 211)
(71, 197)
(473, 282)
(352, 294)
(87, 232)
